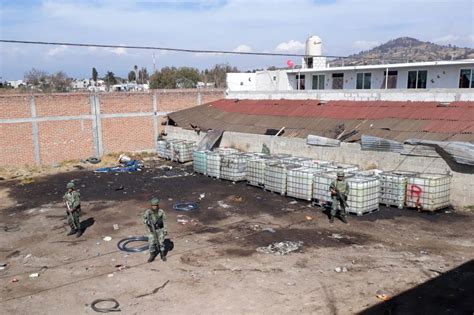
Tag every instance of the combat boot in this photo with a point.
(331, 219)
(71, 232)
(343, 219)
(79, 232)
(152, 256)
(162, 256)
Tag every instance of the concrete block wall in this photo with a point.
(462, 185)
(50, 128)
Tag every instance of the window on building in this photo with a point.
(417, 79)
(318, 82)
(337, 81)
(466, 78)
(363, 80)
(392, 79)
(300, 81)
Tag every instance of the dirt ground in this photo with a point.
(424, 261)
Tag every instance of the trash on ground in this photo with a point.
(121, 267)
(222, 204)
(92, 160)
(132, 166)
(27, 180)
(308, 218)
(184, 219)
(238, 198)
(185, 206)
(294, 202)
(155, 290)
(110, 275)
(123, 159)
(336, 236)
(107, 238)
(202, 196)
(269, 229)
(34, 275)
(15, 280)
(120, 188)
(281, 248)
(383, 295)
(114, 308)
(116, 227)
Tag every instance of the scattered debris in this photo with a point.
(107, 238)
(308, 218)
(3, 266)
(132, 166)
(383, 295)
(110, 275)
(114, 308)
(222, 204)
(15, 280)
(27, 180)
(281, 248)
(269, 229)
(120, 188)
(154, 291)
(93, 160)
(336, 236)
(202, 196)
(185, 206)
(237, 198)
(294, 202)
(116, 227)
(340, 269)
(34, 275)
(123, 159)
(121, 267)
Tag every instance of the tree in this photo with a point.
(36, 78)
(143, 76)
(132, 76)
(187, 77)
(41, 80)
(95, 74)
(218, 74)
(110, 79)
(60, 82)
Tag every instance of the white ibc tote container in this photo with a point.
(276, 176)
(300, 182)
(200, 161)
(255, 173)
(214, 164)
(343, 167)
(161, 148)
(183, 151)
(363, 195)
(321, 183)
(233, 167)
(429, 191)
(393, 187)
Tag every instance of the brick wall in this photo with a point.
(49, 128)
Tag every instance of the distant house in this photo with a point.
(16, 83)
(202, 85)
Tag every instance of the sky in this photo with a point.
(345, 26)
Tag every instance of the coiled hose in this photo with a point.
(114, 308)
(122, 244)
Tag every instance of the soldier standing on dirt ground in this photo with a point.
(342, 186)
(73, 204)
(155, 221)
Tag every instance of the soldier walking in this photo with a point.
(155, 221)
(72, 198)
(339, 191)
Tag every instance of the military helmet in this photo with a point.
(155, 202)
(340, 174)
(70, 185)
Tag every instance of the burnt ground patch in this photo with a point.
(248, 242)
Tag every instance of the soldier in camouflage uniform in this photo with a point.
(73, 204)
(342, 186)
(155, 217)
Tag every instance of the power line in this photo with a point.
(161, 48)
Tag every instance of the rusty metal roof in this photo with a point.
(392, 120)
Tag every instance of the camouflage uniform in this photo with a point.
(158, 219)
(342, 186)
(73, 199)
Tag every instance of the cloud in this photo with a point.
(58, 50)
(243, 48)
(292, 46)
(120, 51)
(364, 44)
(447, 39)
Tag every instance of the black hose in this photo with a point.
(114, 308)
(122, 244)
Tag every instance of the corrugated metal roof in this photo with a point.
(392, 120)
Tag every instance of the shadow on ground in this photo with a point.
(450, 293)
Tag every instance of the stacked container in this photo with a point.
(214, 164)
(161, 148)
(276, 176)
(169, 152)
(226, 151)
(255, 173)
(233, 167)
(300, 182)
(316, 163)
(393, 187)
(363, 195)
(200, 161)
(183, 151)
(429, 191)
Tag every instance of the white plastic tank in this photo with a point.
(314, 46)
